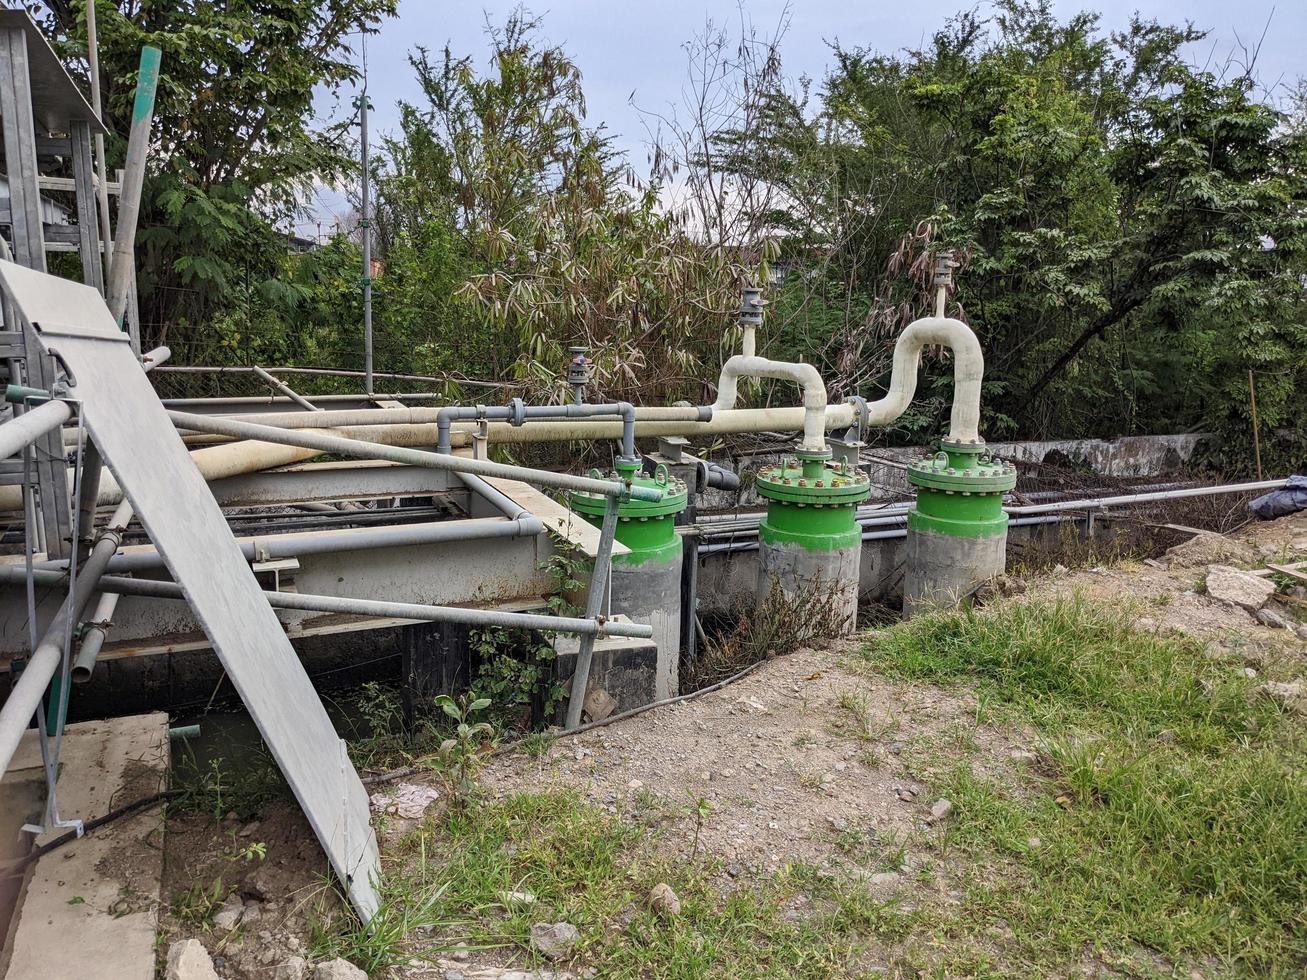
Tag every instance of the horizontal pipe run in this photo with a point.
(344, 605)
(1144, 498)
(23, 430)
(324, 442)
(750, 543)
(340, 373)
(277, 546)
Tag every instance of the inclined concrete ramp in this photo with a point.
(142, 449)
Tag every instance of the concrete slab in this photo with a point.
(90, 908)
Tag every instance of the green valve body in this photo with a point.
(648, 529)
(960, 492)
(812, 505)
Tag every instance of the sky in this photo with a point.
(631, 57)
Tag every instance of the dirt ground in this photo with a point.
(794, 761)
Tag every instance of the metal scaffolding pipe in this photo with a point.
(324, 442)
(286, 390)
(25, 696)
(1143, 498)
(23, 430)
(344, 605)
(277, 546)
(93, 639)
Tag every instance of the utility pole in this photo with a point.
(365, 224)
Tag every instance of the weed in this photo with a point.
(537, 744)
(461, 753)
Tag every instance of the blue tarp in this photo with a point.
(1289, 499)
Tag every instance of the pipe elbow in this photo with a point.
(968, 372)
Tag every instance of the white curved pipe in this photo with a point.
(814, 392)
(968, 370)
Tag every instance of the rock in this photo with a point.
(1206, 549)
(635, 784)
(939, 812)
(1166, 736)
(905, 794)
(884, 881)
(895, 748)
(838, 824)
(250, 829)
(1288, 694)
(1271, 618)
(734, 870)
(516, 899)
(1060, 569)
(1250, 673)
(406, 800)
(1302, 631)
(1034, 843)
(229, 916)
(599, 704)
(663, 901)
(552, 940)
(1023, 755)
(1238, 588)
(338, 970)
(293, 968)
(189, 960)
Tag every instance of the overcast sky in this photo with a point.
(624, 46)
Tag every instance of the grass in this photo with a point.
(595, 871)
(1140, 852)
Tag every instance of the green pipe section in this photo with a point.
(647, 529)
(812, 504)
(960, 493)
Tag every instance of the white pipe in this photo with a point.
(805, 375)
(23, 430)
(968, 370)
(247, 456)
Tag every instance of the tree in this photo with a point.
(235, 151)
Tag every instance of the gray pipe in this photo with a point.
(286, 390)
(503, 503)
(25, 696)
(23, 430)
(517, 413)
(358, 448)
(155, 589)
(278, 546)
(93, 638)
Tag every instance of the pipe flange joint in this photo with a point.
(807, 480)
(861, 415)
(967, 471)
(517, 407)
(675, 497)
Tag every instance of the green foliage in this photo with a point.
(516, 673)
(235, 150)
(461, 752)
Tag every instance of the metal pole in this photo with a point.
(334, 605)
(25, 429)
(1257, 438)
(93, 638)
(593, 603)
(25, 695)
(101, 162)
(129, 198)
(340, 540)
(323, 442)
(286, 390)
(365, 223)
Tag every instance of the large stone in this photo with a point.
(189, 960)
(229, 916)
(553, 940)
(338, 970)
(1238, 588)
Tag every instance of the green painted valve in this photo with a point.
(960, 492)
(648, 529)
(812, 504)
